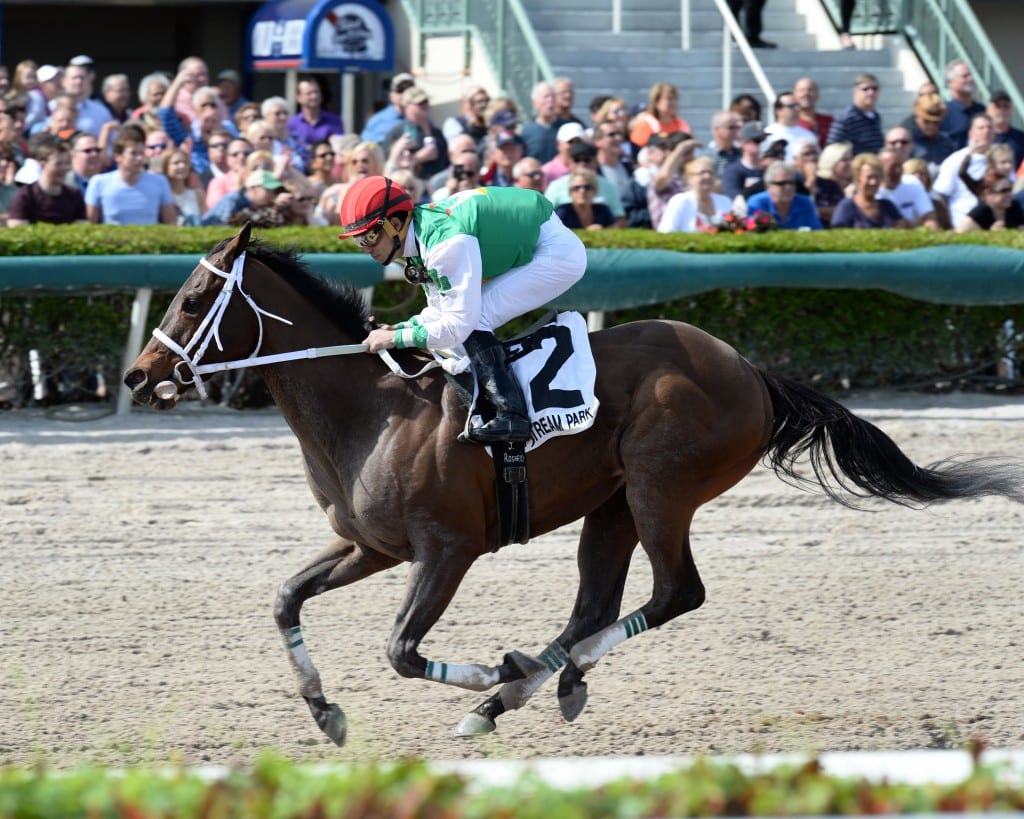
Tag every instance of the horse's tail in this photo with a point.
(852, 457)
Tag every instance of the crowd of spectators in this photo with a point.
(189, 149)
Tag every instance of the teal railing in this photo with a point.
(939, 31)
(501, 27)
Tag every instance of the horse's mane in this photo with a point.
(340, 302)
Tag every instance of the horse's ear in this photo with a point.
(236, 247)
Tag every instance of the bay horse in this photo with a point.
(683, 417)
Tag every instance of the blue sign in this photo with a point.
(339, 35)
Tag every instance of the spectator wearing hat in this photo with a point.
(1000, 108)
(229, 83)
(419, 135)
(541, 133)
(37, 98)
(961, 107)
(569, 134)
(380, 124)
(748, 169)
(258, 193)
(859, 124)
(129, 194)
(503, 119)
(86, 62)
(584, 155)
(313, 124)
(48, 199)
(92, 114)
(931, 143)
(508, 150)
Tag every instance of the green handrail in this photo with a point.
(939, 31)
(504, 30)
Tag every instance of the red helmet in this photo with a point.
(369, 202)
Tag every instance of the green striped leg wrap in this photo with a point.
(302, 664)
(516, 693)
(587, 652)
(472, 676)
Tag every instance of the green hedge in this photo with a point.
(835, 338)
(278, 789)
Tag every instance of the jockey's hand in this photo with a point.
(383, 338)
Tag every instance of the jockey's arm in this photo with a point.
(453, 296)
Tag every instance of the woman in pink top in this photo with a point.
(220, 186)
(661, 116)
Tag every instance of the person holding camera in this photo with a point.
(426, 144)
(463, 175)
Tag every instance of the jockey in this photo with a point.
(484, 256)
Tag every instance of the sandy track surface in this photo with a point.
(141, 557)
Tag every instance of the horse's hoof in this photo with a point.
(572, 705)
(330, 719)
(526, 664)
(475, 725)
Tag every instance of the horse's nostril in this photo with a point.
(134, 378)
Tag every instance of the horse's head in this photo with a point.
(203, 323)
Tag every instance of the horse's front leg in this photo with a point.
(343, 562)
(430, 587)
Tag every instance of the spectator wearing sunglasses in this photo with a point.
(583, 155)
(581, 211)
(528, 174)
(787, 126)
(931, 143)
(997, 209)
(209, 115)
(86, 160)
(238, 152)
(320, 171)
(860, 124)
(792, 210)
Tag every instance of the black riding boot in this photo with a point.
(501, 388)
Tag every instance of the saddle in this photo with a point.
(555, 367)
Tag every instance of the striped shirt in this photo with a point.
(859, 128)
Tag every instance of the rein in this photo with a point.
(209, 330)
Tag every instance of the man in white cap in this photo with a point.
(569, 134)
(37, 108)
(377, 127)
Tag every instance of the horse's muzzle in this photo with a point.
(162, 395)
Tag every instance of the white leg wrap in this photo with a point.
(516, 693)
(472, 676)
(302, 664)
(588, 651)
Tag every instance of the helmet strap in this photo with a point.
(397, 236)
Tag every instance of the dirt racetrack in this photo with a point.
(141, 556)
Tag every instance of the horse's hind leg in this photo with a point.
(343, 562)
(606, 545)
(664, 528)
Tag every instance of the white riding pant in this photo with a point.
(558, 262)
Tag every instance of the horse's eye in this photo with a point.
(191, 306)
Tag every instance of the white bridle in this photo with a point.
(209, 330)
